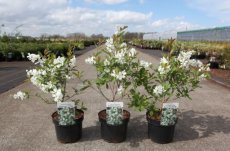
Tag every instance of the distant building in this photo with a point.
(210, 34)
(159, 35)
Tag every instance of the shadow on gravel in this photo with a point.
(91, 133)
(137, 131)
(195, 125)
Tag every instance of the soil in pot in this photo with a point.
(158, 133)
(69, 133)
(113, 133)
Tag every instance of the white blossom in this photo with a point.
(123, 44)
(184, 58)
(59, 61)
(20, 95)
(145, 64)
(132, 52)
(34, 58)
(107, 70)
(120, 57)
(109, 45)
(72, 62)
(90, 60)
(57, 95)
(158, 90)
(120, 75)
(164, 61)
(202, 77)
(120, 89)
(163, 69)
(106, 62)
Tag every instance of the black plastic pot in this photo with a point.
(158, 133)
(113, 133)
(68, 133)
(214, 65)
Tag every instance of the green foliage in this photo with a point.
(66, 116)
(114, 115)
(175, 77)
(117, 66)
(24, 46)
(150, 44)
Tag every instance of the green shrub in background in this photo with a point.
(17, 50)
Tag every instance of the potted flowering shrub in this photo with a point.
(116, 65)
(175, 77)
(51, 74)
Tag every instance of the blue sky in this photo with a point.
(102, 16)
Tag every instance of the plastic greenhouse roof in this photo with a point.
(208, 29)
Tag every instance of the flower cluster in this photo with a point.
(145, 64)
(174, 77)
(90, 60)
(116, 65)
(181, 70)
(119, 76)
(20, 95)
(164, 66)
(159, 90)
(51, 75)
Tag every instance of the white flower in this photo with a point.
(33, 58)
(164, 61)
(163, 69)
(90, 60)
(145, 64)
(184, 58)
(106, 62)
(120, 75)
(68, 77)
(123, 44)
(107, 70)
(120, 57)
(132, 52)
(199, 63)
(59, 61)
(109, 44)
(195, 63)
(57, 95)
(72, 62)
(158, 90)
(20, 95)
(202, 77)
(120, 89)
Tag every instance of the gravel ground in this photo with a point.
(204, 123)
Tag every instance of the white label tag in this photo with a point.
(171, 105)
(65, 105)
(115, 104)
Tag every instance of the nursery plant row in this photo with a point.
(17, 51)
(217, 52)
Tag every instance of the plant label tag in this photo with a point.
(171, 105)
(65, 105)
(66, 113)
(114, 113)
(114, 104)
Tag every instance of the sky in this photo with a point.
(37, 17)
